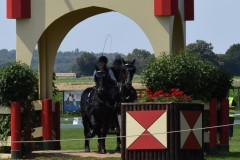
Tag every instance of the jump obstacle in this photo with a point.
(214, 138)
(48, 131)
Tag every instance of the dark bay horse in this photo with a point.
(127, 93)
(96, 114)
(126, 90)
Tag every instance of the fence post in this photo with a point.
(57, 125)
(47, 123)
(224, 132)
(212, 123)
(16, 148)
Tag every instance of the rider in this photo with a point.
(116, 69)
(102, 64)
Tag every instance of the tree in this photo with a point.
(141, 57)
(232, 59)
(86, 63)
(202, 49)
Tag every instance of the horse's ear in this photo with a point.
(133, 61)
(123, 61)
(96, 68)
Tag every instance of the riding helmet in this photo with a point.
(103, 59)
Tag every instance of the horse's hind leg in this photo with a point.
(86, 131)
(118, 148)
(101, 142)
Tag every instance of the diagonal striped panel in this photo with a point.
(198, 133)
(191, 120)
(133, 130)
(146, 141)
(146, 118)
(159, 129)
(149, 135)
(191, 117)
(184, 126)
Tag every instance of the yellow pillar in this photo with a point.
(45, 68)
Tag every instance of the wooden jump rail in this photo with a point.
(45, 131)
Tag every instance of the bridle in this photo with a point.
(101, 79)
(126, 78)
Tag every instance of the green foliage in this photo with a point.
(17, 83)
(7, 56)
(189, 73)
(86, 64)
(203, 50)
(141, 57)
(231, 60)
(4, 126)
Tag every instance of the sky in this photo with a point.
(216, 22)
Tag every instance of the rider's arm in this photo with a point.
(110, 72)
(94, 73)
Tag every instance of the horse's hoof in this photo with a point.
(102, 151)
(87, 149)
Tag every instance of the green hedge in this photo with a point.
(194, 76)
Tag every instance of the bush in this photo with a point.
(194, 76)
(17, 83)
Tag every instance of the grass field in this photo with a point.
(79, 144)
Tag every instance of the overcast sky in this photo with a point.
(216, 22)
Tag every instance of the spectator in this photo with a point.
(232, 107)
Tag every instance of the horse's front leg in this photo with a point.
(86, 131)
(101, 141)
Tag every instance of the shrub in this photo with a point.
(17, 83)
(189, 73)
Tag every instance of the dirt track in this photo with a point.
(71, 154)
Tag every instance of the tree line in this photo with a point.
(82, 62)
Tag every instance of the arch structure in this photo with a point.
(45, 23)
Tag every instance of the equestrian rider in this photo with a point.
(111, 94)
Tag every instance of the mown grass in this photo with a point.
(73, 139)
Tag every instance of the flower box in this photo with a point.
(162, 131)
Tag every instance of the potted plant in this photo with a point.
(172, 82)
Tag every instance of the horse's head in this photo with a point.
(128, 72)
(101, 80)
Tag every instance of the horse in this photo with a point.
(127, 93)
(95, 111)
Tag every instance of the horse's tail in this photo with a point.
(84, 99)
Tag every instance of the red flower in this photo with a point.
(160, 96)
(147, 90)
